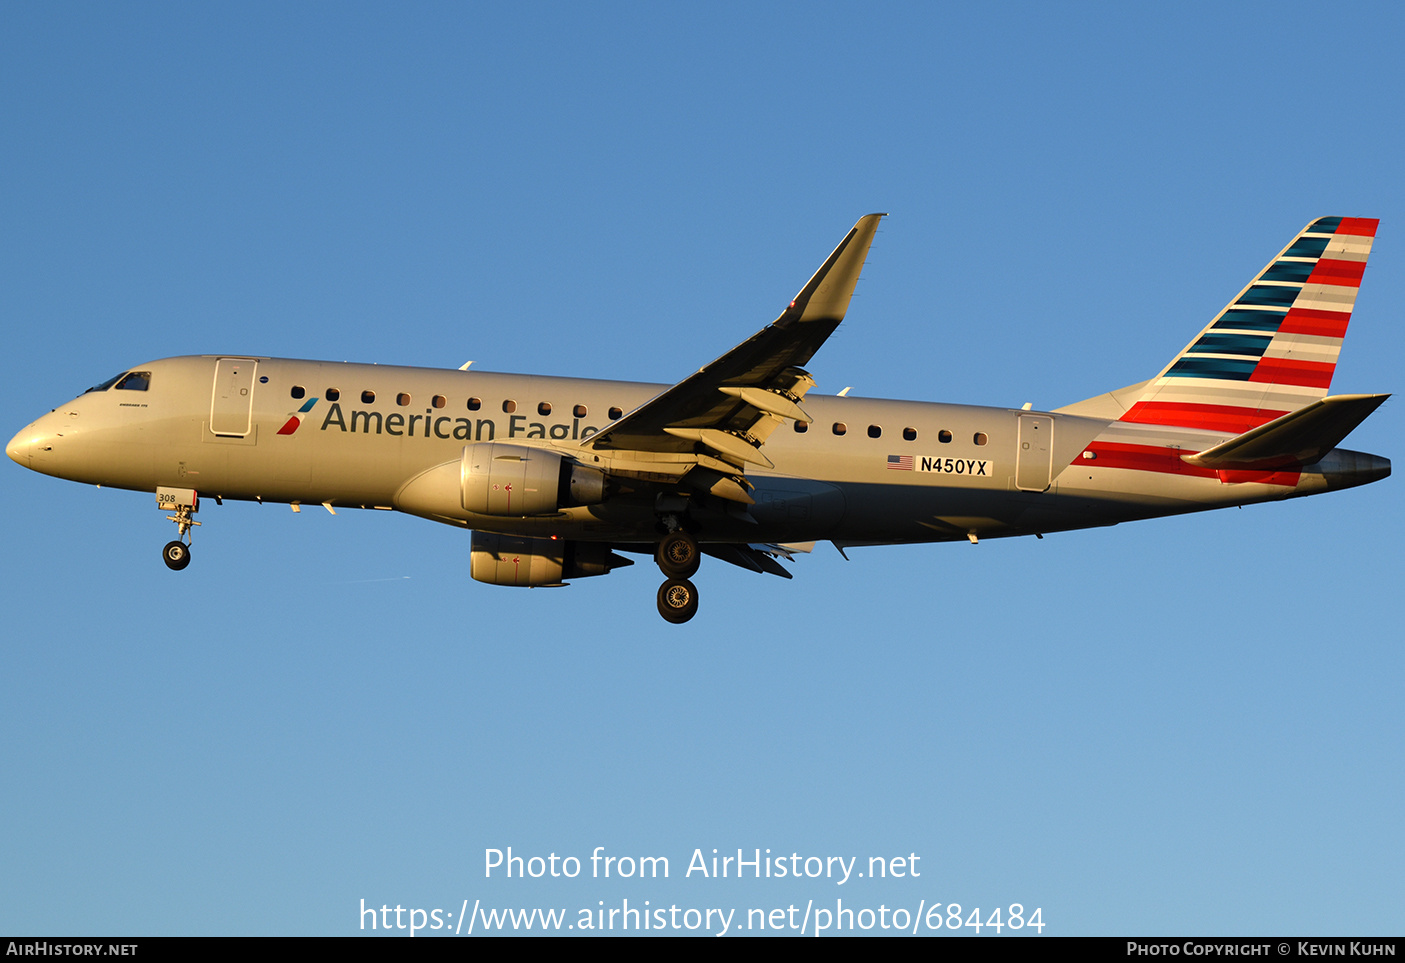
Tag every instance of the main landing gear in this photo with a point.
(678, 557)
(185, 502)
(678, 600)
(678, 554)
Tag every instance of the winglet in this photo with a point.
(826, 295)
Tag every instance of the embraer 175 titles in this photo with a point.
(556, 476)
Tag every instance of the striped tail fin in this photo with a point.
(1273, 349)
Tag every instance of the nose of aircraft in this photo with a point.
(32, 443)
(19, 447)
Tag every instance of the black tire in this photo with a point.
(176, 555)
(678, 555)
(678, 600)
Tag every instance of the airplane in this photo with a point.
(740, 461)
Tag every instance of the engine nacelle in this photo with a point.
(512, 560)
(515, 480)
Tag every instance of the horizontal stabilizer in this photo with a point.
(1298, 438)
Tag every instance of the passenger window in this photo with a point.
(509, 407)
(333, 394)
(368, 397)
(544, 408)
(616, 414)
(874, 431)
(135, 381)
(981, 438)
(944, 437)
(402, 399)
(909, 434)
(299, 391)
(579, 411)
(475, 403)
(840, 427)
(439, 401)
(801, 427)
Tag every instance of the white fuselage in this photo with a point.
(862, 471)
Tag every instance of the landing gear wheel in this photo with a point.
(678, 555)
(678, 600)
(176, 555)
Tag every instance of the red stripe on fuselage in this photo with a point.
(1185, 414)
(1157, 458)
(1288, 478)
(1167, 461)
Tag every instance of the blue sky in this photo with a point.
(1188, 725)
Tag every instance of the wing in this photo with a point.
(705, 430)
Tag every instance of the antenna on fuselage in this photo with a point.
(464, 366)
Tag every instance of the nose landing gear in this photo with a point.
(184, 502)
(176, 555)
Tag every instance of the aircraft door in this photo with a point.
(1034, 459)
(231, 409)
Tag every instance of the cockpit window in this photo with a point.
(108, 383)
(135, 381)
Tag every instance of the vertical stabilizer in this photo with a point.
(1273, 349)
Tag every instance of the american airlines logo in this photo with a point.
(445, 427)
(295, 419)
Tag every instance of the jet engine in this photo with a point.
(511, 560)
(515, 480)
